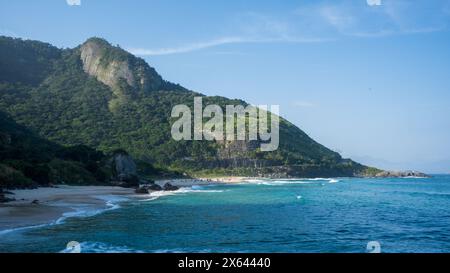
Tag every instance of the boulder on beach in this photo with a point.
(124, 170)
(154, 187)
(4, 199)
(141, 190)
(170, 187)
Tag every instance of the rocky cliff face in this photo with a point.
(112, 66)
(109, 74)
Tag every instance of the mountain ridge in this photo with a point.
(106, 98)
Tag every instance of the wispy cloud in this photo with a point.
(218, 42)
(323, 22)
(376, 19)
(249, 27)
(73, 2)
(336, 16)
(185, 48)
(374, 2)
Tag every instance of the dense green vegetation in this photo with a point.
(46, 89)
(28, 160)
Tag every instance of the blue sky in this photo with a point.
(367, 78)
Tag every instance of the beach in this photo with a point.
(42, 206)
(46, 205)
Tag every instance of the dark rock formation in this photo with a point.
(154, 187)
(124, 170)
(142, 190)
(170, 187)
(3, 198)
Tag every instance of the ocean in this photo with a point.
(295, 216)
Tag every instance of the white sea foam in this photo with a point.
(290, 181)
(182, 250)
(193, 189)
(80, 211)
(6, 231)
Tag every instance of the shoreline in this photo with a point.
(53, 205)
(61, 202)
(56, 204)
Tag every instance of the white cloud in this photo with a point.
(73, 2)
(185, 48)
(250, 27)
(399, 17)
(218, 42)
(374, 2)
(336, 16)
(319, 22)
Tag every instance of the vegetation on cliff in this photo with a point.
(103, 98)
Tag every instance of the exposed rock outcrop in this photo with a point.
(109, 73)
(124, 170)
(147, 188)
(111, 65)
(3, 198)
(154, 187)
(142, 190)
(170, 187)
(386, 174)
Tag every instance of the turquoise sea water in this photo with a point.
(322, 215)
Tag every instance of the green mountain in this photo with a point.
(103, 97)
(27, 160)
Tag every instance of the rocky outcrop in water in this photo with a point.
(400, 174)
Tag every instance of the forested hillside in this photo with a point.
(101, 96)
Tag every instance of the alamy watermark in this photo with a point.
(373, 247)
(241, 123)
(73, 247)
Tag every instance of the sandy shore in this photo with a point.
(53, 203)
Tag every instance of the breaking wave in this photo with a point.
(193, 189)
(82, 211)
